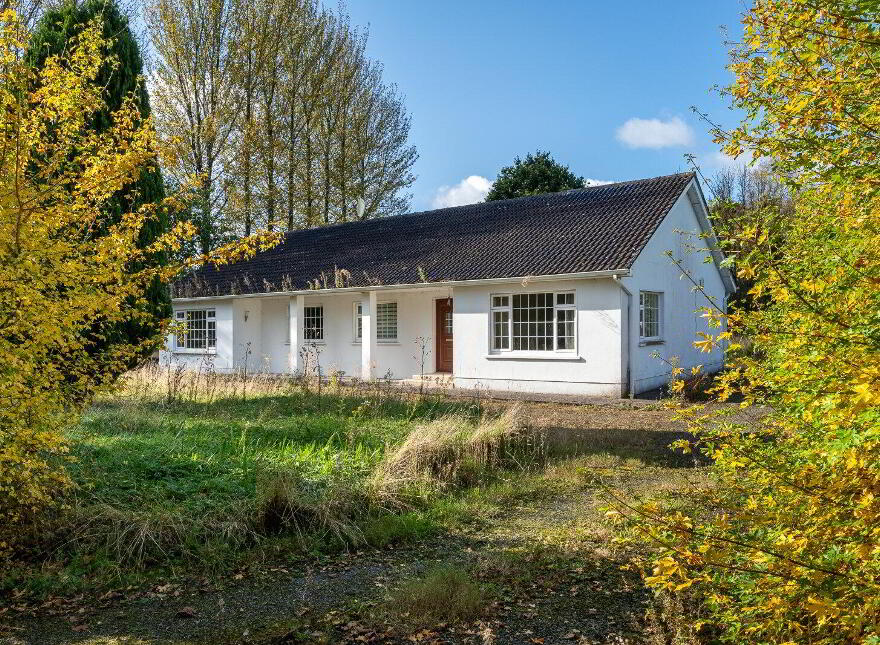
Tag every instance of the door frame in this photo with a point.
(437, 335)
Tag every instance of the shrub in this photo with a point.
(783, 546)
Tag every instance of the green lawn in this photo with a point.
(200, 485)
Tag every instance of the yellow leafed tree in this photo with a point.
(785, 545)
(62, 268)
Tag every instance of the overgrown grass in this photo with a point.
(202, 472)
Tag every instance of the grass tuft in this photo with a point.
(446, 594)
(453, 452)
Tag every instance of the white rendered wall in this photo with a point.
(653, 270)
(247, 328)
(341, 352)
(273, 330)
(594, 369)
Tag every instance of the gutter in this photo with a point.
(585, 275)
(629, 299)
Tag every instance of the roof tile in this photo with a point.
(600, 228)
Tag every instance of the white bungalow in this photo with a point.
(568, 293)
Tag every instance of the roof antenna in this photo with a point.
(361, 207)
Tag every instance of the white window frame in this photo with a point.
(357, 321)
(572, 306)
(323, 337)
(388, 339)
(500, 308)
(659, 336)
(180, 316)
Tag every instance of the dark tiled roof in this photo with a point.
(591, 229)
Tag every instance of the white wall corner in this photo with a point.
(296, 308)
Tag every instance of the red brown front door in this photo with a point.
(444, 335)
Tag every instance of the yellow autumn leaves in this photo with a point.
(784, 546)
(66, 269)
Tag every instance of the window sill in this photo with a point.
(535, 356)
(210, 352)
(387, 342)
(651, 341)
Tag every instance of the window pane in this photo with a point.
(500, 331)
(196, 329)
(313, 323)
(386, 321)
(564, 298)
(212, 333)
(649, 314)
(565, 329)
(533, 321)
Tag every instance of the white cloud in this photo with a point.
(654, 133)
(468, 191)
(596, 182)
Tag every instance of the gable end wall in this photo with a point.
(654, 271)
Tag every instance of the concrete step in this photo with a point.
(436, 379)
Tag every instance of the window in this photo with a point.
(500, 322)
(565, 321)
(542, 322)
(650, 303)
(386, 321)
(200, 329)
(358, 321)
(313, 323)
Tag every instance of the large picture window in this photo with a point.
(650, 315)
(386, 321)
(313, 323)
(200, 329)
(533, 322)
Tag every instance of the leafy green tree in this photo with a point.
(121, 77)
(534, 175)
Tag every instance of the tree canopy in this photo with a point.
(303, 127)
(120, 80)
(536, 174)
(782, 544)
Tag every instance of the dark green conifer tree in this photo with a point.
(121, 76)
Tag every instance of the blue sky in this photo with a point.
(606, 87)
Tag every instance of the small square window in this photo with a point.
(386, 321)
(650, 315)
(313, 323)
